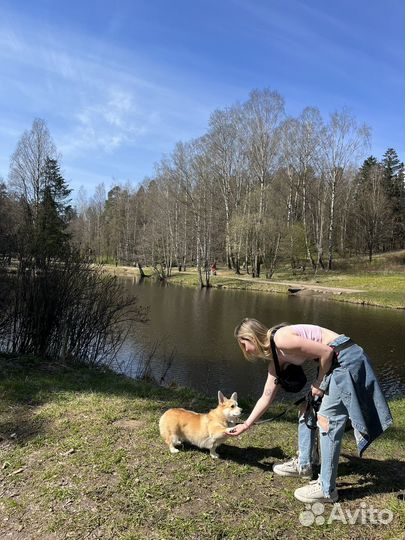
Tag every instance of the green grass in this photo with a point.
(81, 457)
(380, 288)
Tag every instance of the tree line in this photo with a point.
(257, 190)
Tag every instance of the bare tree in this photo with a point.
(181, 175)
(226, 153)
(27, 164)
(261, 116)
(343, 142)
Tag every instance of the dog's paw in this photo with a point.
(174, 450)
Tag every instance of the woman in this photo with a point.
(348, 387)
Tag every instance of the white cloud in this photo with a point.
(106, 122)
(100, 103)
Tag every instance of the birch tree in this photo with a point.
(27, 165)
(262, 114)
(343, 142)
(226, 153)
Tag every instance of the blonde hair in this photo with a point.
(258, 334)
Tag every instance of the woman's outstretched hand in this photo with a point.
(236, 430)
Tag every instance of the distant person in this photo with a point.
(345, 382)
(214, 269)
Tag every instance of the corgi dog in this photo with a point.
(205, 430)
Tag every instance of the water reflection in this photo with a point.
(197, 327)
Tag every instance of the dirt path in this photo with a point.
(304, 286)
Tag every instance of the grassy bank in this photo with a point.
(379, 283)
(81, 457)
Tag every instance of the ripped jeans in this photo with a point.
(332, 428)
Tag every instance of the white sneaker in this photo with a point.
(313, 493)
(292, 468)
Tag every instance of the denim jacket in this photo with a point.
(361, 394)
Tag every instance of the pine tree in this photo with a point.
(371, 207)
(54, 212)
(58, 188)
(51, 237)
(364, 172)
(394, 187)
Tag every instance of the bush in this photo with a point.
(66, 310)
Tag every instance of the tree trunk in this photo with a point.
(142, 273)
(331, 222)
(274, 259)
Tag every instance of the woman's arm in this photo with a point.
(262, 404)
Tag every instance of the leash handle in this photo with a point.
(311, 410)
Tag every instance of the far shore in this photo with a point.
(376, 287)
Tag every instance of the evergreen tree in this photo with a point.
(364, 172)
(394, 187)
(372, 214)
(393, 168)
(54, 213)
(51, 237)
(58, 188)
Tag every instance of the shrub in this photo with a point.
(67, 310)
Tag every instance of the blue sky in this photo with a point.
(119, 83)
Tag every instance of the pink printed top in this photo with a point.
(306, 331)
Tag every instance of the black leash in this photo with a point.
(313, 404)
(288, 409)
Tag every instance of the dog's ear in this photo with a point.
(234, 396)
(221, 397)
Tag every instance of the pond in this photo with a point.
(191, 334)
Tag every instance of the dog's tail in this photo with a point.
(163, 426)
